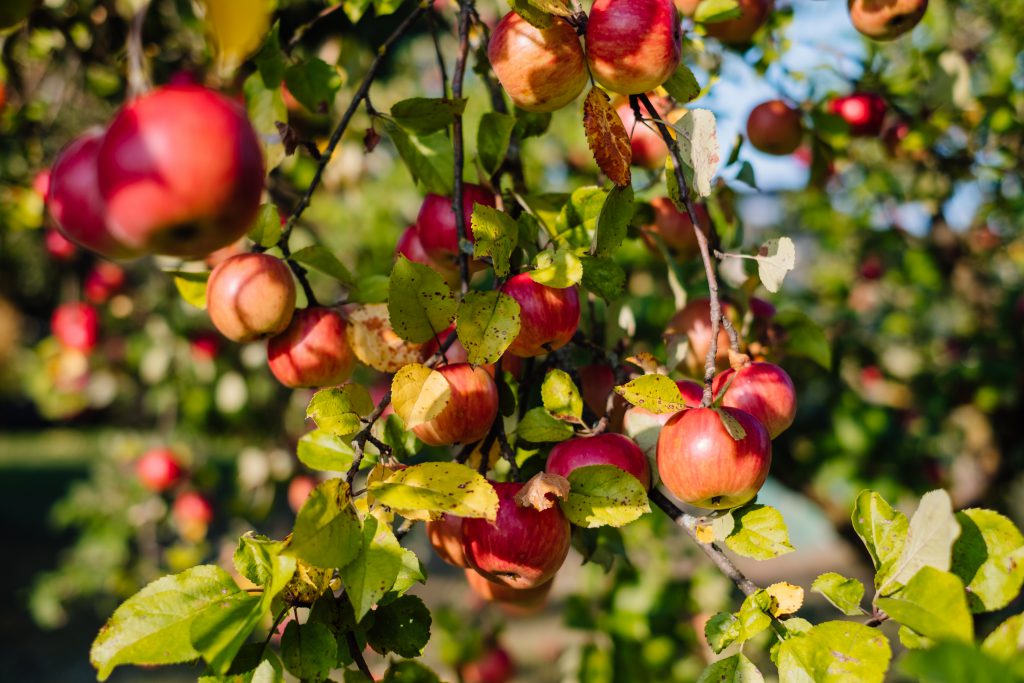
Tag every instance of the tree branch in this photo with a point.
(465, 8)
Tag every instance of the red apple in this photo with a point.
(633, 45)
(205, 346)
(645, 143)
(603, 449)
(643, 426)
(754, 14)
(41, 183)
(410, 246)
(313, 351)
(75, 202)
(675, 227)
(520, 601)
(103, 281)
(762, 389)
(548, 316)
(181, 172)
(445, 535)
(886, 19)
(693, 324)
(702, 465)
(76, 326)
(523, 548)
(541, 69)
(774, 127)
(58, 246)
(250, 296)
(435, 223)
(158, 469)
(494, 666)
(299, 489)
(470, 412)
(192, 513)
(864, 112)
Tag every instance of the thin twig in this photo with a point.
(138, 81)
(273, 629)
(734, 337)
(301, 30)
(465, 8)
(432, 25)
(357, 654)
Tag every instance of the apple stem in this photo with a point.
(702, 241)
(138, 78)
(465, 7)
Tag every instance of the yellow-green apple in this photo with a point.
(435, 223)
(864, 112)
(445, 535)
(753, 15)
(701, 464)
(762, 389)
(517, 601)
(548, 316)
(675, 228)
(470, 411)
(886, 19)
(774, 127)
(541, 69)
(692, 324)
(250, 296)
(523, 548)
(158, 469)
(313, 350)
(603, 449)
(180, 171)
(643, 426)
(76, 326)
(633, 45)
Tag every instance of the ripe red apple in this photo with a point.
(702, 465)
(41, 183)
(436, 227)
(693, 324)
(675, 227)
(192, 513)
(205, 346)
(643, 426)
(494, 666)
(445, 535)
(181, 172)
(299, 489)
(541, 69)
(158, 469)
(633, 45)
(523, 548)
(410, 246)
(864, 112)
(762, 389)
(470, 412)
(886, 19)
(103, 281)
(603, 449)
(250, 296)
(76, 326)
(519, 601)
(58, 246)
(75, 202)
(754, 14)
(774, 127)
(313, 351)
(548, 316)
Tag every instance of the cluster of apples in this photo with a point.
(160, 470)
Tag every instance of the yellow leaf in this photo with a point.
(419, 394)
(607, 137)
(705, 533)
(236, 29)
(374, 340)
(788, 598)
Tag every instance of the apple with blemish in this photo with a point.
(762, 389)
(471, 409)
(633, 45)
(603, 449)
(313, 350)
(886, 19)
(548, 316)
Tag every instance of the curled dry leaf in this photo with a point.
(788, 598)
(375, 342)
(607, 137)
(648, 363)
(542, 491)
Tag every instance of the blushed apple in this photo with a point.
(250, 296)
(435, 223)
(299, 489)
(548, 316)
(633, 45)
(159, 469)
(886, 19)
(774, 127)
(445, 536)
(470, 412)
(313, 351)
(762, 389)
(647, 148)
(603, 449)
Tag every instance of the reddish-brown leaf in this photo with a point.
(607, 137)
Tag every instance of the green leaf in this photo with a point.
(424, 115)
(409, 671)
(152, 626)
(402, 627)
(731, 425)
(428, 157)
(266, 230)
(270, 59)
(255, 555)
(734, 669)
(539, 426)
(410, 573)
(845, 594)
(487, 323)
(1007, 640)
(711, 11)
(774, 260)
(373, 572)
(265, 106)
(531, 14)
(933, 604)
(989, 558)
(560, 395)
(882, 529)
(323, 451)
(309, 651)
(355, 9)
(495, 234)
(603, 277)
(930, 537)
(835, 652)
(438, 487)
(746, 175)
(604, 495)
(314, 83)
(656, 393)
(682, 85)
(327, 530)
(616, 213)
(804, 337)
(754, 614)
(319, 258)
(556, 7)
(955, 662)
(420, 303)
(219, 632)
(338, 410)
(760, 533)
(722, 630)
(530, 124)
(492, 139)
(191, 286)
(560, 268)
(371, 289)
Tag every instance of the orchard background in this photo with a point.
(864, 230)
